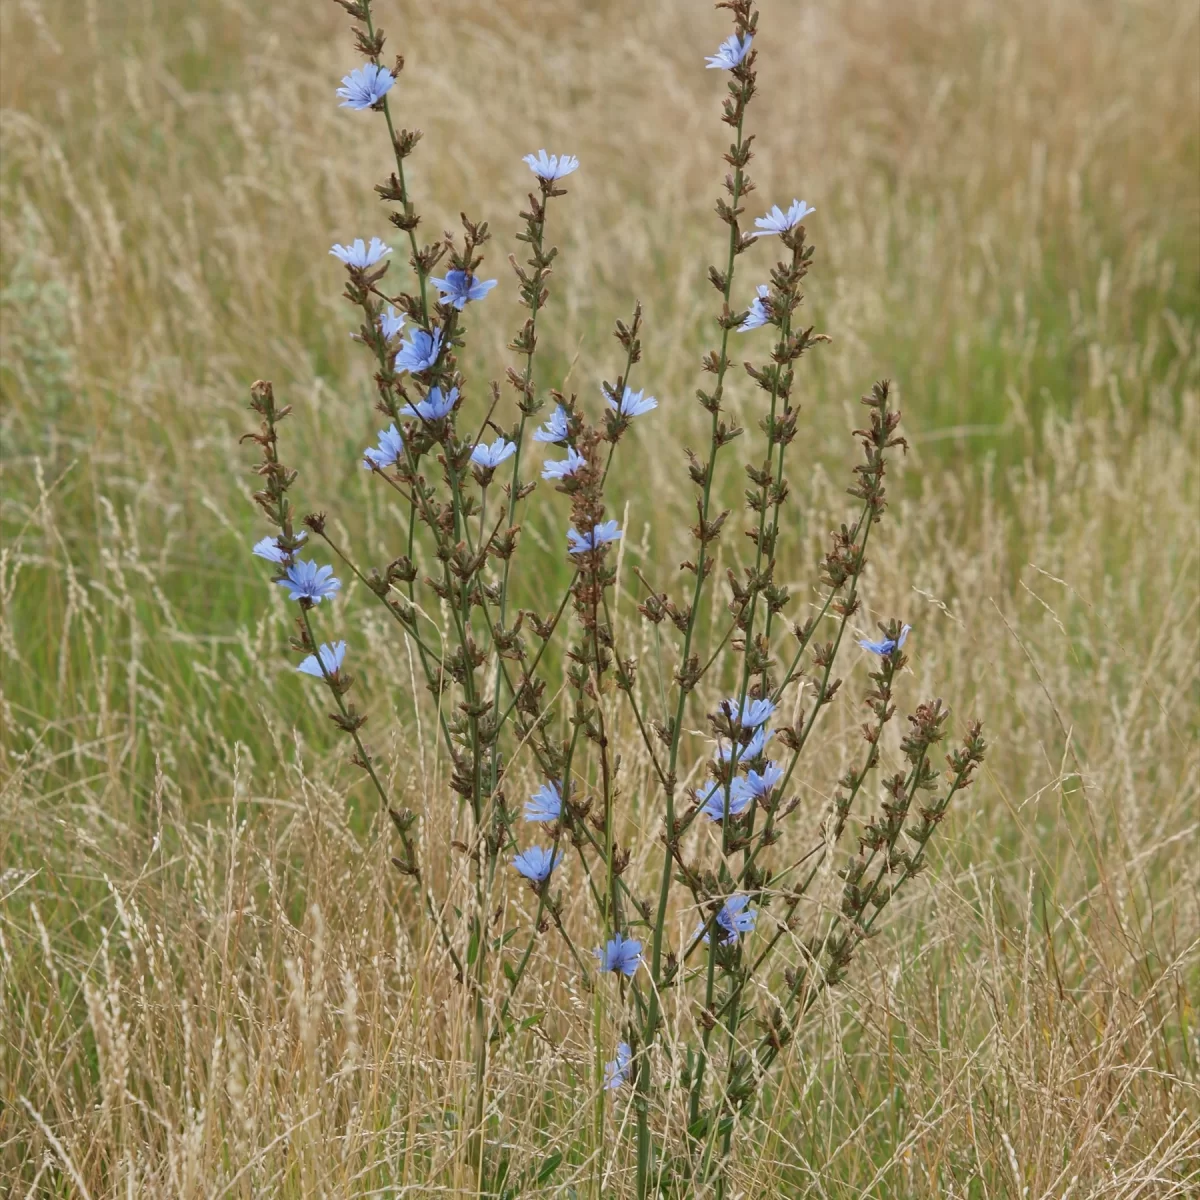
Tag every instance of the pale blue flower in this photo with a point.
(601, 535)
(564, 468)
(551, 166)
(390, 323)
(389, 450)
(436, 405)
(331, 660)
(545, 804)
(730, 53)
(713, 797)
(885, 645)
(555, 429)
(269, 548)
(420, 352)
(359, 254)
(307, 581)
(748, 752)
(734, 918)
(620, 954)
(780, 222)
(366, 86)
(754, 712)
(459, 288)
(758, 785)
(631, 403)
(537, 862)
(758, 315)
(492, 456)
(617, 1072)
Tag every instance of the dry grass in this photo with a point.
(213, 985)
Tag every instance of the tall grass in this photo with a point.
(211, 985)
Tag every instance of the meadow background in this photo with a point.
(212, 984)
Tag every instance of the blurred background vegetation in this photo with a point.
(1007, 226)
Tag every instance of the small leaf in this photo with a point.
(549, 1166)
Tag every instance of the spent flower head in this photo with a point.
(777, 221)
(307, 581)
(620, 954)
(330, 657)
(551, 166)
(366, 86)
(419, 353)
(730, 53)
(360, 254)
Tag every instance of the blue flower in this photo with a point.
(714, 800)
(758, 314)
(617, 1072)
(601, 535)
(420, 352)
(436, 405)
(492, 456)
(884, 645)
(269, 548)
(391, 447)
(761, 785)
(749, 752)
(631, 403)
(551, 166)
(459, 288)
(331, 660)
(754, 712)
(545, 804)
(620, 954)
(366, 86)
(555, 429)
(734, 918)
(359, 254)
(307, 581)
(730, 52)
(537, 862)
(390, 323)
(780, 222)
(556, 469)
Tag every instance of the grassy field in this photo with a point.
(212, 984)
